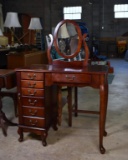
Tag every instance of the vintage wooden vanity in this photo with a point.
(39, 87)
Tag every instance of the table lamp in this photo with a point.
(1, 33)
(12, 22)
(63, 32)
(3, 40)
(64, 39)
(71, 30)
(35, 25)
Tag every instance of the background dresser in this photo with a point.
(26, 58)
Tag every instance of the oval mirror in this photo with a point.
(67, 39)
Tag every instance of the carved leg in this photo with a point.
(59, 117)
(43, 137)
(103, 108)
(70, 106)
(54, 121)
(2, 122)
(106, 104)
(54, 126)
(7, 120)
(20, 132)
(76, 100)
(15, 105)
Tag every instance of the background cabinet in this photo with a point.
(3, 58)
(21, 59)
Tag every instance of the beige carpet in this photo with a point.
(81, 141)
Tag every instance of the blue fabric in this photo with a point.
(54, 53)
(126, 56)
(100, 57)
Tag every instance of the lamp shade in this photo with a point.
(12, 20)
(63, 32)
(71, 29)
(35, 24)
(1, 33)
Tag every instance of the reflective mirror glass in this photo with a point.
(68, 39)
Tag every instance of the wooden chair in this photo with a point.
(12, 93)
(70, 57)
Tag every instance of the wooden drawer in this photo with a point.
(33, 111)
(34, 122)
(33, 101)
(32, 92)
(32, 84)
(32, 76)
(71, 78)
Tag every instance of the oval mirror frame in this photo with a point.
(56, 32)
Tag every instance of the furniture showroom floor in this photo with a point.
(79, 142)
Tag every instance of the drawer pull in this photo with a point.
(19, 96)
(31, 85)
(32, 113)
(33, 123)
(31, 94)
(32, 77)
(32, 103)
(70, 78)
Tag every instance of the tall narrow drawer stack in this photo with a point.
(35, 111)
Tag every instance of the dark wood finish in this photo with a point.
(27, 35)
(80, 43)
(76, 43)
(37, 103)
(98, 79)
(8, 81)
(27, 58)
(72, 74)
(78, 73)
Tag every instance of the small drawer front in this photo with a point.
(34, 122)
(32, 84)
(33, 111)
(30, 101)
(32, 92)
(71, 78)
(32, 76)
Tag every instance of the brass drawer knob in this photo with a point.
(33, 113)
(70, 78)
(33, 123)
(19, 96)
(31, 94)
(32, 103)
(32, 77)
(31, 85)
